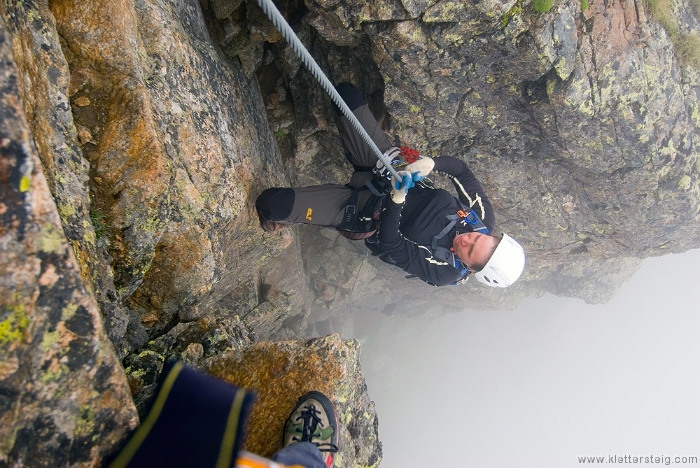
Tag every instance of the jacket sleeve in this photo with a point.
(411, 257)
(468, 187)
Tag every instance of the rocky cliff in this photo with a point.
(64, 398)
(157, 123)
(580, 123)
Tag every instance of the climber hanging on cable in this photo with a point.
(425, 231)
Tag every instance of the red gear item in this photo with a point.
(409, 154)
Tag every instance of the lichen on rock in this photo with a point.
(281, 372)
(65, 399)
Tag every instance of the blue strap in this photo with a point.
(446, 255)
(444, 231)
(373, 189)
(476, 222)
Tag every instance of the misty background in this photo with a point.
(541, 385)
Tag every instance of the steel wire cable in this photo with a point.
(281, 24)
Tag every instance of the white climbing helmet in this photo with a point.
(505, 265)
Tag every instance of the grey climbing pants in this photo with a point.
(324, 205)
(303, 454)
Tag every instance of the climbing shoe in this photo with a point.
(313, 420)
(271, 226)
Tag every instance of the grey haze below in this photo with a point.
(545, 383)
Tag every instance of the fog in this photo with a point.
(539, 386)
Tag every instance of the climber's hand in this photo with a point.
(399, 188)
(420, 169)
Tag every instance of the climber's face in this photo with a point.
(474, 249)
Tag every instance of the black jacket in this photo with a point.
(407, 230)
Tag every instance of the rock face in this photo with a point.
(281, 372)
(278, 372)
(580, 124)
(191, 343)
(99, 113)
(64, 398)
(153, 145)
(150, 123)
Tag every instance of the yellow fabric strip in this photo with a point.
(128, 452)
(225, 454)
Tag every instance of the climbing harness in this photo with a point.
(359, 224)
(281, 24)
